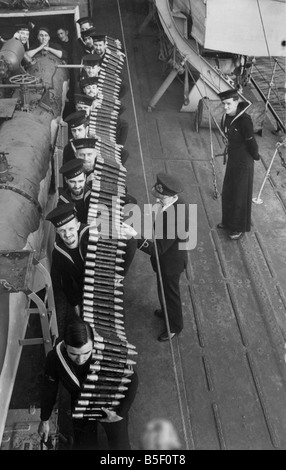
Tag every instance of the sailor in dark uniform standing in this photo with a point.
(242, 151)
(77, 190)
(172, 221)
(69, 252)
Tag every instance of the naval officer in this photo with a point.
(172, 259)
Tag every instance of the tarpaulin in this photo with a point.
(246, 27)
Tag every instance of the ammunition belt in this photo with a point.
(103, 307)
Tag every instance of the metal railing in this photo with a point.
(268, 76)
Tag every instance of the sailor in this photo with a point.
(100, 44)
(91, 64)
(77, 190)
(78, 128)
(45, 44)
(85, 23)
(242, 151)
(172, 259)
(22, 33)
(65, 42)
(69, 363)
(89, 86)
(68, 256)
(86, 150)
(86, 41)
(83, 103)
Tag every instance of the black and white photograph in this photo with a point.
(142, 227)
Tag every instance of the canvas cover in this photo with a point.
(246, 27)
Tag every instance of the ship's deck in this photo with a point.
(222, 384)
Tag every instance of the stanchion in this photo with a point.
(258, 200)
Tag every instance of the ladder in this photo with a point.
(45, 308)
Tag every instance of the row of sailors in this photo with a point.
(88, 94)
(70, 362)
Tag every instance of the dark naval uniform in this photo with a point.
(69, 152)
(81, 205)
(69, 263)
(173, 261)
(237, 189)
(59, 368)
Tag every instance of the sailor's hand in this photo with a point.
(128, 230)
(97, 70)
(96, 103)
(77, 310)
(112, 416)
(44, 430)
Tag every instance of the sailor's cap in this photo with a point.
(62, 214)
(72, 168)
(76, 119)
(168, 185)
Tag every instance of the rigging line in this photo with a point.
(264, 31)
(154, 239)
(216, 192)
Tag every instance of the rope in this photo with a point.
(216, 193)
(263, 27)
(154, 239)
(266, 42)
(212, 161)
